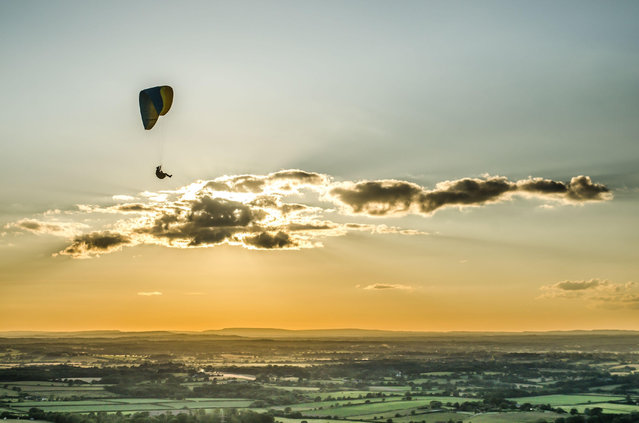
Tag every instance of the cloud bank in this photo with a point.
(258, 211)
(599, 292)
(391, 197)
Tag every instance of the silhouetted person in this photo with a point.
(160, 174)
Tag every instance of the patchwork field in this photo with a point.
(130, 405)
(368, 411)
(514, 417)
(606, 407)
(560, 400)
(56, 390)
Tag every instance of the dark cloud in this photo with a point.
(577, 285)
(542, 186)
(311, 226)
(464, 192)
(581, 188)
(380, 198)
(95, 243)
(216, 212)
(31, 225)
(208, 221)
(292, 208)
(377, 197)
(268, 241)
(135, 208)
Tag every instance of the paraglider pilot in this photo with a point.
(160, 174)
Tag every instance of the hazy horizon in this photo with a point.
(257, 331)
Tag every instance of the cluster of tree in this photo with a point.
(110, 375)
(50, 373)
(264, 394)
(516, 366)
(155, 389)
(596, 415)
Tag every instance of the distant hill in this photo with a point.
(275, 333)
(310, 333)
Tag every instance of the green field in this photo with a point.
(96, 408)
(435, 374)
(334, 404)
(36, 383)
(287, 420)
(514, 417)
(432, 417)
(607, 407)
(381, 407)
(401, 389)
(136, 401)
(560, 400)
(306, 389)
(56, 389)
(130, 404)
(73, 393)
(227, 403)
(8, 393)
(404, 412)
(346, 394)
(59, 390)
(40, 404)
(351, 394)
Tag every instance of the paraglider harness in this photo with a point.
(160, 174)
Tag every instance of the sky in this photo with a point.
(414, 165)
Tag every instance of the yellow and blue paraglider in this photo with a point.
(155, 102)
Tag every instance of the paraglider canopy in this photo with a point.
(155, 102)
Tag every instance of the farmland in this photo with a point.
(411, 379)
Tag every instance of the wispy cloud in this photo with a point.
(150, 294)
(50, 227)
(386, 286)
(599, 292)
(256, 211)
